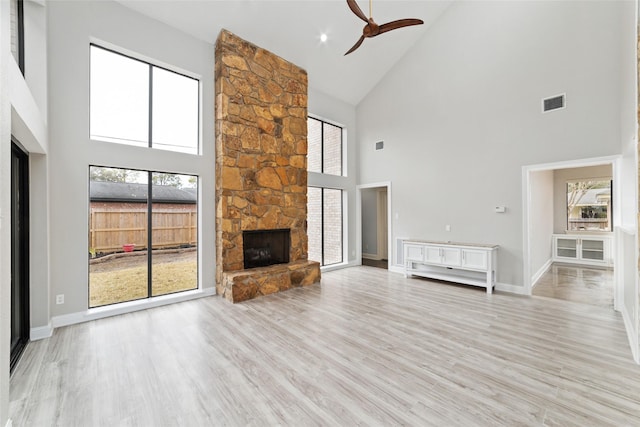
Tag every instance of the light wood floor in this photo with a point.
(593, 286)
(365, 347)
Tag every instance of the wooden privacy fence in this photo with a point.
(110, 229)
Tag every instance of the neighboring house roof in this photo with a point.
(595, 196)
(137, 193)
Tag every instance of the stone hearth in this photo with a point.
(261, 166)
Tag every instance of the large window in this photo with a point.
(324, 151)
(324, 225)
(17, 32)
(137, 103)
(131, 212)
(589, 205)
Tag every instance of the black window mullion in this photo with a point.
(20, 17)
(321, 147)
(150, 130)
(150, 192)
(149, 231)
(322, 224)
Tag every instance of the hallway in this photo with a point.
(592, 286)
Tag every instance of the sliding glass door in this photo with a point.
(19, 252)
(130, 212)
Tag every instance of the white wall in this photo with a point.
(5, 204)
(628, 231)
(460, 115)
(21, 114)
(541, 207)
(369, 221)
(333, 110)
(560, 178)
(71, 27)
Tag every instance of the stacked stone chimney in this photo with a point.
(261, 165)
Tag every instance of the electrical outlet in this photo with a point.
(447, 227)
(60, 299)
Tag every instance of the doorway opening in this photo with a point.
(375, 227)
(20, 324)
(564, 260)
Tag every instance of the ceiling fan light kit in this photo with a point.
(372, 29)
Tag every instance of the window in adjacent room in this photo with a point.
(137, 103)
(131, 211)
(324, 225)
(324, 150)
(589, 205)
(16, 9)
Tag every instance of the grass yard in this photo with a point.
(125, 279)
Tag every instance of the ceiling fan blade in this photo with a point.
(393, 25)
(356, 9)
(355, 46)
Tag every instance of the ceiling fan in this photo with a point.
(372, 29)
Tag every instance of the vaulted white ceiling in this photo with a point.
(292, 29)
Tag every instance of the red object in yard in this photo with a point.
(128, 247)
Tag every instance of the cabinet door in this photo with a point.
(476, 259)
(414, 253)
(567, 247)
(432, 254)
(592, 249)
(451, 256)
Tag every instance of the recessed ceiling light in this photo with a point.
(323, 37)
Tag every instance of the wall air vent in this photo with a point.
(553, 103)
(379, 145)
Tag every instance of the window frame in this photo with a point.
(324, 122)
(20, 35)
(151, 65)
(149, 237)
(610, 213)
(322, 224)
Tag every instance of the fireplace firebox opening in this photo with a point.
(265, 247)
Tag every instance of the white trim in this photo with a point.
(614, 161)
(128, 307)
(339, 266)
(632, 335)
(512, 289)
(396, 269)
(374, 257)
(540, 272)
(41, 332)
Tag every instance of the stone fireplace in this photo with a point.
(261, 172)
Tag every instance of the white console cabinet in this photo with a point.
(467, 263)
(588, 250)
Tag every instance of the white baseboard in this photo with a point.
(540, 272)
(632, 334)
(396, 269)
(41, 332)
(374, 257)
(513, 289)
(128, 307)
(340, 266)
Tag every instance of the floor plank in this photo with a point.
(364, 347)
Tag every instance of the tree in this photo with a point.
(112, 174)
(577, 190)
(167, 179)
